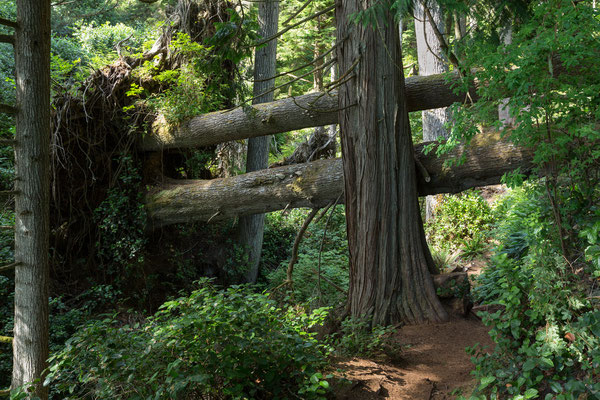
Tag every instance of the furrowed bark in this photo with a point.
(309, 110)
(32, 169)
(318, 183)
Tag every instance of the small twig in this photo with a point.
(8, 142)
(322, 214)
(9, 267)
(333, 284)
(120, 42)
(298, 68)
(214, 215)
(293, 80)
(345, 74)
(9, 192)
(6, 227)
(6, 339)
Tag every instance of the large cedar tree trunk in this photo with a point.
(389, 259)
(32, 168)
(251, 228)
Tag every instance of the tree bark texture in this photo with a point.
(431, 61)
(32, 167)
(309, 110)
(319, 183)
(389, 258)
(251, 227)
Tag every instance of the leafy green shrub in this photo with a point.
(231, 343)
(547, 330)
(459, 221)
(333, 261)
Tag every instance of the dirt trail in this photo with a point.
(432, 364)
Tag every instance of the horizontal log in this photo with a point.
(318, 183)
(313, 109)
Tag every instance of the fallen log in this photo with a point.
(318, 183)
(309, 110)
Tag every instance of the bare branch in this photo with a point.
(295, 13)
(299, 237)
(290, 27)
(327, 64)
(300, 67)
(9, 267)
(451, 56)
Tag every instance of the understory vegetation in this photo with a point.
(166, 313)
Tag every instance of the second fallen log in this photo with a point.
(318, 183)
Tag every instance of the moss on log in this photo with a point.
(309, 110)
(318, 183)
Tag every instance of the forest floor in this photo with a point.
(429, 363)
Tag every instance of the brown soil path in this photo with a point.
(431, 365)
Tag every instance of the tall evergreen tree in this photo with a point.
(389, 258)
(32, 168)
(251, 228)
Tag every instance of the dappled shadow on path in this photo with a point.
(431, 363)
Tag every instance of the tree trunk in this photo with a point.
(319, 183)
(431, 61)
(313, 109)
(389, 259)
(32, 167)
(251, 227)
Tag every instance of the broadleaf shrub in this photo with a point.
(230, 343)
(461, 221)
(547, 328)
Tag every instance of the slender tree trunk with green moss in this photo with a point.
(32, 169)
